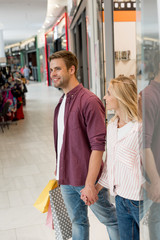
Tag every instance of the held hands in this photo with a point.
(89, 194)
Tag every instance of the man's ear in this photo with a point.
(72, 69)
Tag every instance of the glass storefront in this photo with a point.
(13, 57)
(148, 77)
(56, 39)
(101, 47)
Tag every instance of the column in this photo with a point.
(109, 40)
(2, 54)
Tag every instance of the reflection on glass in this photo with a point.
(61, 27)
(63, 42)
(148, 75)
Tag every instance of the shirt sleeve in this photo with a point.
(149, 115)
(140, 151)
(94, 114)
(103, 181)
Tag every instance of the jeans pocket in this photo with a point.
(136, 204)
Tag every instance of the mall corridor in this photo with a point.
(27, 163)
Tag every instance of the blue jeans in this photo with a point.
(128, 218)
(78, 212)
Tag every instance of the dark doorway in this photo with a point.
(80, 41)
(32, 64)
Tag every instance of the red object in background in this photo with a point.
(19, 113)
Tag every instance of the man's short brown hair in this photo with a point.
(68, 57)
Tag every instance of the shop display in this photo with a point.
(122, 55)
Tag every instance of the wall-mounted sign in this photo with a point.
(31, 45)
(15, 49)
(122, 55)
(121, 5)
(28, 44)
(23, 47)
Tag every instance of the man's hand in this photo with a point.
(89, 194)
(153, 191)
(153, 188)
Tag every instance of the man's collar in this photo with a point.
(74, 90)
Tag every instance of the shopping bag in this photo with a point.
(49, 220)
(42, 201)
(61, 220)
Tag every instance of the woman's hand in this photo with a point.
(98, 187)
(89, 194)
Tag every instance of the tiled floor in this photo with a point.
(27, 163)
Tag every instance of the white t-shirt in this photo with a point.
(60, 132)
(123, 131)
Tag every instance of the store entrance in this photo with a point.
(32, 59)
(80, 43)
(32, 64)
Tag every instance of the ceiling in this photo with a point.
(21, 19)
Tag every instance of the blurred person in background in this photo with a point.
(22, 70)
(151, 133)
(26, 72)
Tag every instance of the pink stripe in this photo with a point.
(126, 172)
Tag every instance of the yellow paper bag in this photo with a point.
(42, 201)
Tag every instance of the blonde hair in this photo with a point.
(124, 89)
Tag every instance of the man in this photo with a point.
(79, 137)
(151, 120)
(26, 72)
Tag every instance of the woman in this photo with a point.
(122, 169)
